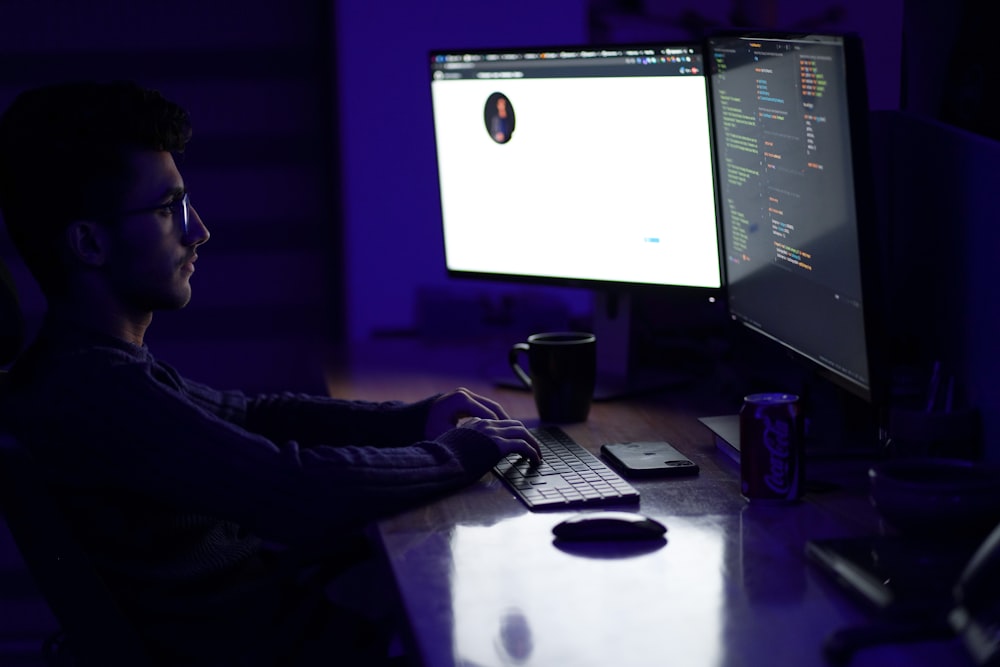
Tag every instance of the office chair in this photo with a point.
(11, 318)
(94, 631)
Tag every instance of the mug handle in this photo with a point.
(512, 357)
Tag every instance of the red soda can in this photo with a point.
(771, 456)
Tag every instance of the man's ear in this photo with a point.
(88, 242)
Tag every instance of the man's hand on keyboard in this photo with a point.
(462, 407)
(510, 436)
(451, 408)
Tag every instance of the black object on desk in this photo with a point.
(917, 585)
(609, 525)
(651, 458)
(900, 577)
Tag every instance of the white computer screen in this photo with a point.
(577, 165)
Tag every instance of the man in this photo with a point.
(500, 120)
(197, 504)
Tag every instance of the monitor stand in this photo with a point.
(618, 374)
(726, 429)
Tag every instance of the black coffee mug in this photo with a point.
(562, 373)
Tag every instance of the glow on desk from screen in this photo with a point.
(519, 600)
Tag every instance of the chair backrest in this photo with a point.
(96, 630)
(11, 318)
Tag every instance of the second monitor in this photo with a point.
(798, 215)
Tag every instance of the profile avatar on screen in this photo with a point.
(499, 116)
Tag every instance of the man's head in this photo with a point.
(70, 152)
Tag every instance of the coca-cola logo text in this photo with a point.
(777, 439)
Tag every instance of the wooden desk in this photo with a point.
(482, 582)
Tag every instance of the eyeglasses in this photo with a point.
(179, 208)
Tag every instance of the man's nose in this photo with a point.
(197, 232)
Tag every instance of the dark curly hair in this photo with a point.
(64, 153)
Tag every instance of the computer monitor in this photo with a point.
(590, 167)
(797, 209)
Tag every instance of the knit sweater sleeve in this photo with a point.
(313, 420)
(290, 468)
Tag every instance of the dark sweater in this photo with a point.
(175, 488)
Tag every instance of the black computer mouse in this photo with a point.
(609, 525)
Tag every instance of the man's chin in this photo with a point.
(173, 301)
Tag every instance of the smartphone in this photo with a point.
(648, 459)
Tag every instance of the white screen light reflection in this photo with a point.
(513, 587)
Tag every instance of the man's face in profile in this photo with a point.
(151, 258)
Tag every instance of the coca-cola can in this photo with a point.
(771, 456)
